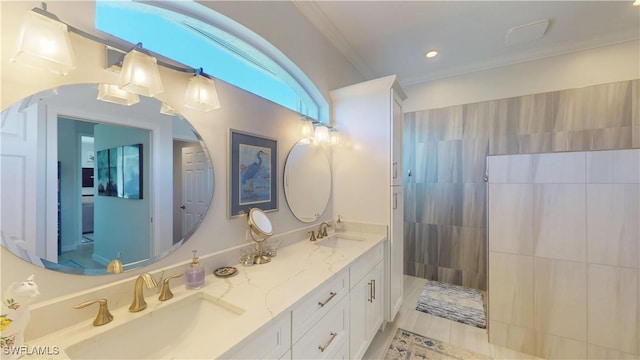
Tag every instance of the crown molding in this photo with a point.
(312, 11)
(557, 50)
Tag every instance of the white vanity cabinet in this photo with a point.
(320, 322)
(368, 173)
(272, 342)
(326, 338)
(366, 299)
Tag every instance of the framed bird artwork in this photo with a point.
(253, 172)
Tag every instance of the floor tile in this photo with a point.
(464, 336)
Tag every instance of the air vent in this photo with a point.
(526, 33)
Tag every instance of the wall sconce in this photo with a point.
(322, 134)
(140, 73)
(43, 42)
(113, 94)
(201, 93)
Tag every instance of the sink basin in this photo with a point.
(339, 241)
(174, 330)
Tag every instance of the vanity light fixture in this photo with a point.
(306, 127)
(334, 137)
(636, 3)
(201, 93)
(167, 109)
(43, 42)
(321, 134)
(140, 73)
(113, 94)
(431, 54)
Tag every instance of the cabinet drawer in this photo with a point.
(365, 263)
(272, 342)
(328, 337)
(318, 303)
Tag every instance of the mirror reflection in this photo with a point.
(86, 182)
(307, 181)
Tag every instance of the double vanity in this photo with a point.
(315, 300)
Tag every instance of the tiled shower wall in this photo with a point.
(445, 150)
(564, 254)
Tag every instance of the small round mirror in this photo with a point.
(260, 223)
(261, 229)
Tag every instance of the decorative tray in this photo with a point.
(224, 272)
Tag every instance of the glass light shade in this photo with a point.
(322, 134)
(167, 110)
(113, 94)
(334, 137)
(306, 129)
(44, 43)
(140, 74)
(201, 94)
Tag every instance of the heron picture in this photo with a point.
(252, 175)
(255, 174)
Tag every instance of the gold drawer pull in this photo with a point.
(331, 295)
(326, 345)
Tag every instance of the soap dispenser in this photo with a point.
(194, 276)
(339, 224)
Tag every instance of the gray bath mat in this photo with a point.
(453, 302)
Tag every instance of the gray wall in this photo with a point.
(445, 198)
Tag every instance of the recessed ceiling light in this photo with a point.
(433, 53)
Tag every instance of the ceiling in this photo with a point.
(391, 37)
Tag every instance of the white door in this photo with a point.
(196, 180)
(18, 164)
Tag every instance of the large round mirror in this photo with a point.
(86, 182)
(307, 181)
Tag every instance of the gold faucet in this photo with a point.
(115, 265)
(138, 303)
(104, 316)
(322, 232)
(165, 293)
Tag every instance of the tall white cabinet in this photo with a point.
(367, 169)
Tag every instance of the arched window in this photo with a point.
(199, 37)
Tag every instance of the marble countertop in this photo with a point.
(263, 292)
